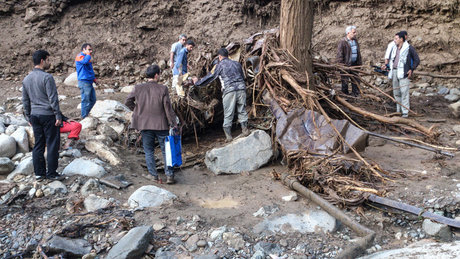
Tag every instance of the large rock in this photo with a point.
(420, 250)
(6, 165)
(243, 154)
(133, 244)
(7, 146)
(454, 108)
(54, 188)
(437, 230)
(93, 203)
(103, 151)
(455, 91)
(117, 126)
(25, 167)
(2, 128)
(452, 97)
(22, 141)
(127, 89)
(12, 119)
(11, 129)
(71, 80)
(88, 123)
(106, 109)
(108, 131)
(75, 247)
(150, 196)
(90, 187)
(82, 166)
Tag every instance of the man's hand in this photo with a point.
(409, 73)
(58, 123)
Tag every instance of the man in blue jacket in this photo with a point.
(86, 78)
(180, 67)
(233, 89)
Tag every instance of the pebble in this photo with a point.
(201, 243)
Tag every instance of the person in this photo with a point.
(389, 48)
(176, 47)
(233, 89)
(403, 61)
(180, 67)
(153, 116)
(72, 126)
(349, 54)
(86, 78)
(41, 109)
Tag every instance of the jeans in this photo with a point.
(229, 101)
(46, 134)
(148, 141)
(88, 97)
(401, 92)
(350, 79)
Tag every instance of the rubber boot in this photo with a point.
(228, 134)
(244, 127)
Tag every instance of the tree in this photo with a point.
(296, 27)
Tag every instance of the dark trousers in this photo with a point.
(46, 135)
(354, 81)
(148, 141)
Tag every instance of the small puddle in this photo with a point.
(226, 202)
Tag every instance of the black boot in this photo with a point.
(228, 134)
(244, 127)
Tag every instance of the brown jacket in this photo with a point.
(344, 53)
(152, 107)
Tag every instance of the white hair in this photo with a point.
(349, 28)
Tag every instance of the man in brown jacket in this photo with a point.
(153, 116)
(349, 54)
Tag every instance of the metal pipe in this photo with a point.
(367, 235)
(442, 152)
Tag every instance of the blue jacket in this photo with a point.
(230, 74)
(181, 60)
(84, 66)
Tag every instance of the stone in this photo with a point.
(420, 250)
(158, 226)
(233, 240)
(268, 248)
(103, 152)
(7, 146)
(85, 167)
(132, 245)
(422, 85)
(55, 187)
(89, 123)
(75, 247)
(416, 94)
(309, 222)
(291, 197)
(162, 254)
(454, 108)
(127, 89)
(2, 128)
(119, 127)
(266, 211)
(443, 91)
(25, 167)
(456, 129)
(30, 136)
(150, 196)
(12, 119)
(17, 157)
(93, 203)
(452, 97)
(102, 139)
(106, 130)
(201, 243)
(91, 186)
(107, 109)
(190, 244)
(242, 155)
(6, 165)
(71, 80)
(217, 233)
(11, 129)
(71, 153)
(455, 91)
(22, 141)
(437, 230)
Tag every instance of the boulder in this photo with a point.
(456, 129)
(91, 186)
(71, 80)
(102, 139)
(108, 131)
(6, 165)
(452, 97)
(75, 247)
(88, 123)
(103, 152)
(233, 240)
(420, 249)
(93, 203)
(11, 129)
(54, 188)
(150, 196)
(106, 109)
(2, 128)
(454, 108)
(443, 91)
(127, 89)
(12, 119)
(133, 245)
(437, 230)
(85, 167)
(7, 146)
(117, 126)
(22, 141)
(25, 167)
(243, 154)
(455, 91)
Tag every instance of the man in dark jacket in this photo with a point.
(349, 54)
(233, 89)
(86, 78)
(41, 109)
(153, 116)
